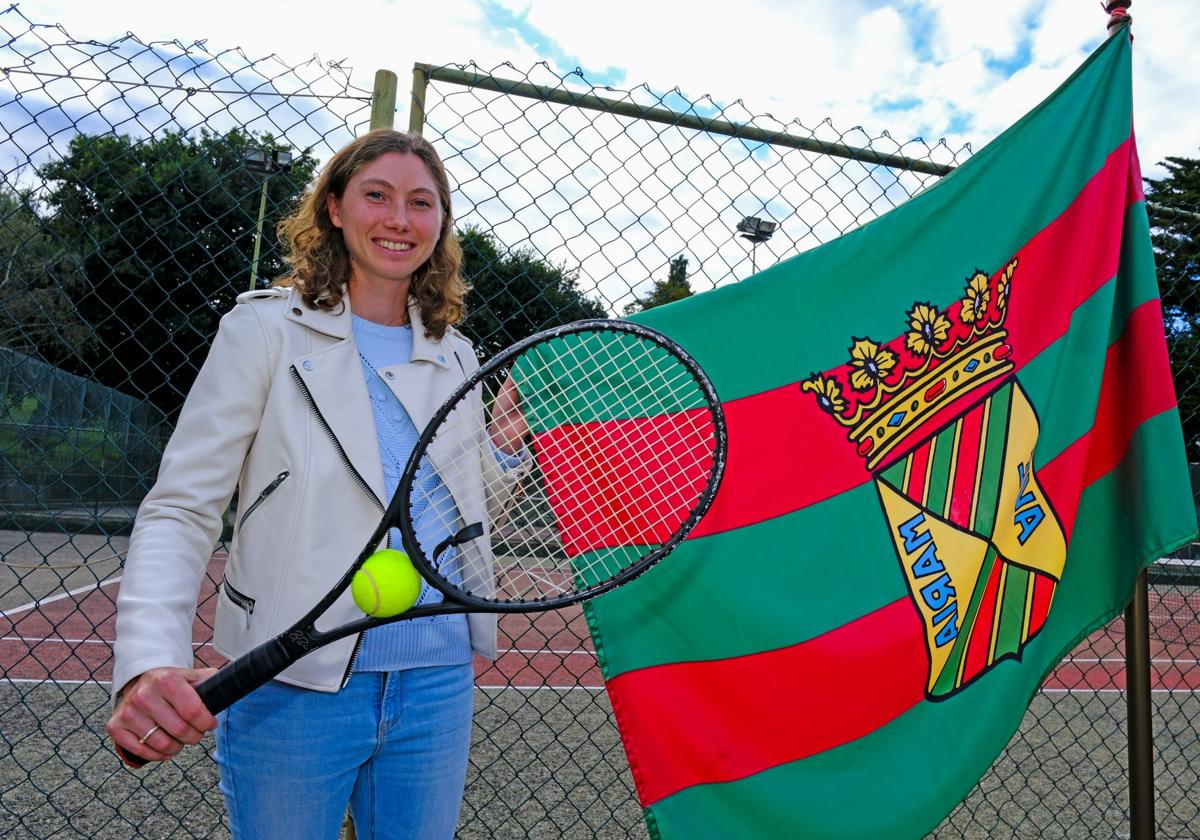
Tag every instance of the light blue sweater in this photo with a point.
(432, 640)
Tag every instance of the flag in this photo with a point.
(953, 446)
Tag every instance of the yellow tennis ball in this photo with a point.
(386, 585)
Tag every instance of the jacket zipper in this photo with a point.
(262, 497)
(245, 602)
(366, 488)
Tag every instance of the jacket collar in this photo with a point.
(336, 323)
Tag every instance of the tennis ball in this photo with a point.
(386, 585)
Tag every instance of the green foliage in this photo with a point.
(40, 282)
(34, 450)
(675, 287)
(1175, 216)
(516, 293)
(163, 229)
(1177, 240)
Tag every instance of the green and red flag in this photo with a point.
(953, 445)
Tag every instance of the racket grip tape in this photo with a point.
(246, 673)
(234, 681)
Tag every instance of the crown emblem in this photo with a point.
(888, 390)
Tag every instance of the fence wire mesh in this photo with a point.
(128, 221)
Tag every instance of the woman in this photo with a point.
(309, 402)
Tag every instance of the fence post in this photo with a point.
(1137, 695)
(416, 109)
(383, 100)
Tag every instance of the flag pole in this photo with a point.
(1137, 642)
(1137, 698)
(1118, 12)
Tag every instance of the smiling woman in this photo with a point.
(377, 221)
(310, 401)
(390, 219)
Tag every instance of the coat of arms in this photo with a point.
(949, 436)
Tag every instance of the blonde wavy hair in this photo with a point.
(316, 252)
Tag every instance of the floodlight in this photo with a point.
(261, 160)
(257, 160)
(756, 229)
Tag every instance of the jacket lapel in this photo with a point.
(333, 377)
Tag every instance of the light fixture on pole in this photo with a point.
(267, 163)
(756, 230)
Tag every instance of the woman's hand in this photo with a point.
(508, 427)
(160, 711)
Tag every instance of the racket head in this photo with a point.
(623, 455)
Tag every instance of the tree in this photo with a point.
(516, 293)
(675, 287)
(164, 231)
(1175, 216)
(40, 280)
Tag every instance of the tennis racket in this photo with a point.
(567, 465)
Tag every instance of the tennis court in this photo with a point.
(546, 757)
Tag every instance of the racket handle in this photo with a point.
(233, 682)
(244, 674)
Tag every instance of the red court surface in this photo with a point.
(67, 638)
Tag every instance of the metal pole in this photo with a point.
(451, 75)
(1137, 695)
(262, 211)
(383, 100)
(416, 110)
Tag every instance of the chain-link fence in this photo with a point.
(129, 219)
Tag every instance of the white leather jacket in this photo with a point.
(280, 411)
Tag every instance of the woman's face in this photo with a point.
(390, 217)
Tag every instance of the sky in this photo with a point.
(880, 73)
(958, 69)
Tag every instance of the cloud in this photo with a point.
(973, 69)
(861, 72)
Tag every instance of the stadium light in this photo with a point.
(262, 160)
(756, 230)
(266, 162)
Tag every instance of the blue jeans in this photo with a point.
(393, 745)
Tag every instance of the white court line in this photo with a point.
(29, 680)
(531, 688)
(30, 640)
(597, 689)
(33, 640)
(559, 651)
(58, 597)
(1115, 691)
(1121, 660)
(579, 652)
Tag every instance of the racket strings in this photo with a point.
(671, 390)
(674, 391)
(622, 447)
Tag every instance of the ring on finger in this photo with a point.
(153, 729)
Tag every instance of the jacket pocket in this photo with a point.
(262, 497)
(240, 600)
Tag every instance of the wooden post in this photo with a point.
(383, 100)
(416, 108)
